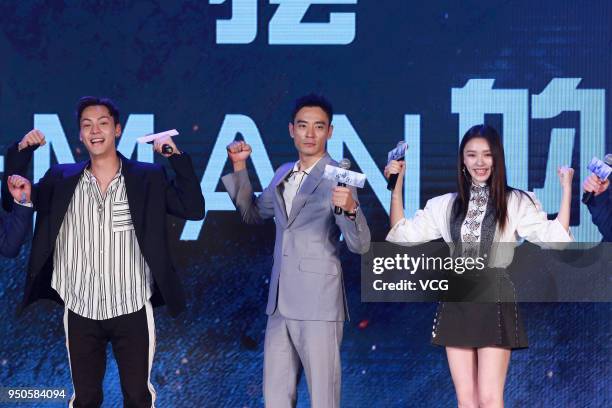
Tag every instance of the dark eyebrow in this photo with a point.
(100, 118)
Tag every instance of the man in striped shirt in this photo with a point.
(100, 249)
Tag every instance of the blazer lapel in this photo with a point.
(64, 190)
(312, 181)
(135, 188)
(278, 191)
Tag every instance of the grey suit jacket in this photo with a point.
(307, 282)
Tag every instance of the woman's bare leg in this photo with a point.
(492, 369)
(463, 365)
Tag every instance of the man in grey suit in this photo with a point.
(306, 302)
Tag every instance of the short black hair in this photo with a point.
(87, 101)
(313, 100)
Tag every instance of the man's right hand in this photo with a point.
(32, 138)
(239, 152)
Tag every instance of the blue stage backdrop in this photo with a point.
(215, 70)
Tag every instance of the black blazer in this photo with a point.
(150, 195)
(14, 228)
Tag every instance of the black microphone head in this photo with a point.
(608, 159)
(345, 164)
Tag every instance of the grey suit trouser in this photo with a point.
(314, 344)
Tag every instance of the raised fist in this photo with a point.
(20, 188)
(33, 138)
(238, 151)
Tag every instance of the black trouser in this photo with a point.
(132, 337)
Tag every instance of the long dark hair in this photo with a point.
(497, 182)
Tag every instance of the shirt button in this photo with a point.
(100, 208)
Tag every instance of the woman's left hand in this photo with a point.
(566, 174)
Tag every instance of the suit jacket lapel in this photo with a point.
(312, 181)
(64, 190)
(278, 191)
(135, 188)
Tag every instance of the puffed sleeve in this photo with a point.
(534, 226)
(424, 226)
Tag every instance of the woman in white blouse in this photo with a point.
(479, 337)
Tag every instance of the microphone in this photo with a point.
(166, 148)
(344, 164)
(601, 169)
(396, 154)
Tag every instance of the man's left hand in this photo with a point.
(158, 144)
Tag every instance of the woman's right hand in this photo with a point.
(399, 168)
(395, 167)
(397, 201)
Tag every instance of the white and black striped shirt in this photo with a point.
(98, 269)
